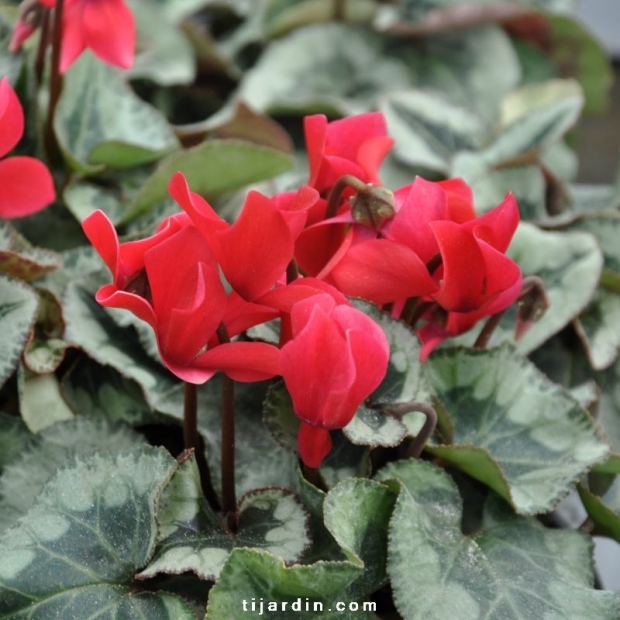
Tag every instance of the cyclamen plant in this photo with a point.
(359, 389)
(422, 251)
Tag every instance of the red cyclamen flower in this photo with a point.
(336, 358)
(27, 185)
(255, 251)
(171, 280)
(106, 27)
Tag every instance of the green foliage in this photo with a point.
(18, 311)
(193, 538)
(99, 524)
(75, 552)
(101, 122)
(511, 428)
(474, 577)
(27, 471)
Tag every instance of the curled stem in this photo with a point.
(417, 445)
(333, 200)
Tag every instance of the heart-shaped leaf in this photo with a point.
(512, 567)
(100, 122)
(251, 577)
(74, 554)
(192, 537)
(18, 311)
(50, 449)
(513, 429)
(429, 129)
(330, 68)
(357, 513)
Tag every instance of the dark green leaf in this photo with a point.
(212, 168)
(192, 537)
(513, 568)
(251, 576)
(357, 513)
(76, 551)
(18, 311)
(513, 429)
(52, 448)
(100, 122)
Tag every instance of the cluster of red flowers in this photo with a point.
(422, 247)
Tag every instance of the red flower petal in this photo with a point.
(381, 271)
(110, 297)
(318, 245)
(419, 204)
(346, 136)
(198, 209)
(188, 297)
(369, 348)
(319, 371)
(464, 270)
(242, 361)
(27, 187)
(241, 314)
(11, 119)
(498, 225)
(314, 444)
(315, 132)
(110, 31)
(371, 154)
(294, 207)
(283, 298)
(256, 249)
(460, 200)
(102, 234)
(73, 39)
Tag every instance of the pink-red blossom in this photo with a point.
(355, 145)
(171, 280)
(255, 251)
(27, 185)
(337, 356)
(106, 27)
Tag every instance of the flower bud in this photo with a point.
(373, 206)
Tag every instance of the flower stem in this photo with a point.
(55, 80)
(229, 497)
(487, 331)
(191, 441)
(335, 194)
(417, 446)
(43, 42)
(313, 477)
